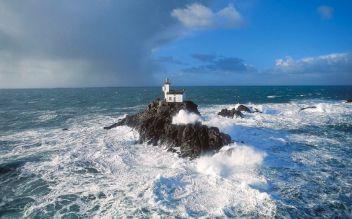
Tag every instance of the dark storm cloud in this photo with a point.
(82, 43)
(319, 70)
(204, 57)
(219, 64)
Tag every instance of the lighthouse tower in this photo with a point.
(172, 95)
(166, 87)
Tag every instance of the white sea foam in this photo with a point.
(272, 96)
(88, 166)
(46, 116)
(236, 162)
(185, 117)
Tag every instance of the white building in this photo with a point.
(172, 95)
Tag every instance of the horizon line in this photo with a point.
(154, 86)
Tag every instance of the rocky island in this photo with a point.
(237, 111)
(155, 127)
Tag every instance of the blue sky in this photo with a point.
(274, 29)
(138, 43)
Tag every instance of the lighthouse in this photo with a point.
(175, 96)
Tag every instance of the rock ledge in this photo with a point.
(155, 127)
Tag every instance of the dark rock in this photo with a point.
(308, 107)
(230, 113)
(226, 113)
(255, 110)
(112, 126)
(237, 112)
(155, 127)
(11, 167)
(243, 108)
(65, 129)
(349, 101)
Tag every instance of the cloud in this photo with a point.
(204, 57)
(82, 43)
(229, 64)
(219, 64)
(41, 72)
(336, 63)
(331, 69)
(197, 16)
(326, 12)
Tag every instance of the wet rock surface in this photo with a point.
(155, 127)
(230, 113)
(237, 112)
(243, 108)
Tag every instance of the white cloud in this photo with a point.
(199, 16)
(326, 12)
(328, 64)
(195, 15)
(331, 69)
(230, 17)
(287, 61)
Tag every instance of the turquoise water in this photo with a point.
(284, 163)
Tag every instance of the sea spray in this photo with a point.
(303, 157)
(185, 117)
(236, 161)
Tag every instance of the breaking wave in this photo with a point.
(90, 172)
(185, 117)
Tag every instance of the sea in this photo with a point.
(57, 161)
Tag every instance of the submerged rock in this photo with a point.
(155, 127)
(243, 108)
(237, 112)
(308, 107)
(230, 113)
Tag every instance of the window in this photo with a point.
(170, 98)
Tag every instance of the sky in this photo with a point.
(94, 43)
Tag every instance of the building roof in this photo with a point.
(176, 92)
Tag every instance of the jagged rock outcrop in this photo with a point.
(237, 112)
(349, 101)
(230, 113)
(243, 108)
(155, 127)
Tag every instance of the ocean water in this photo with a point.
(285, 162)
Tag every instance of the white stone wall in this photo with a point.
(179, 98)
(174, 98)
